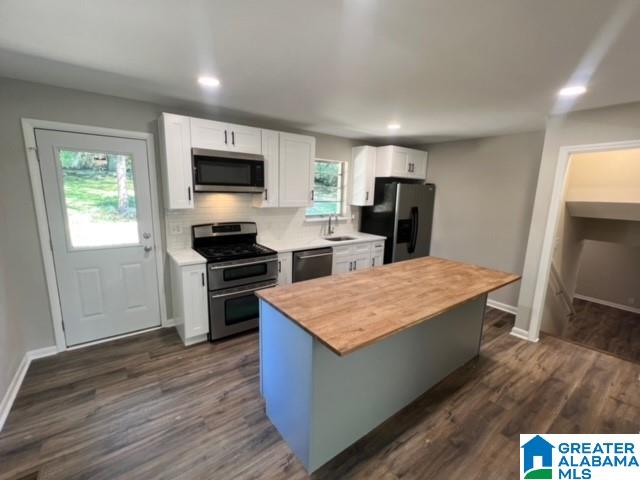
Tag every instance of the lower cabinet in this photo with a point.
(285, 265)
(190, 298)
(350, 258)
(377, 254)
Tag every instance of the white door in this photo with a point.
(97, 196)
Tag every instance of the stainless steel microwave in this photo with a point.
(220, 171)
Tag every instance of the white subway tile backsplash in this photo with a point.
(273, 223)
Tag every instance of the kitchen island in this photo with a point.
(341, 354)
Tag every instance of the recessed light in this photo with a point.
(573, 91)
(208, 81)
(394, 126)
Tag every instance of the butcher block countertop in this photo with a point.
(352, 310)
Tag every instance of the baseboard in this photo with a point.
(42, 352)
(170, 322)
(521, 334)
(606, 303)
(18, 377)
(502, 306)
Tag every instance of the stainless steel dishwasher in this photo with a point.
(309, 264)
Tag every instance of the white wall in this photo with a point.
(12, 339)
(617, 123)
(610, 272)
(484, 197)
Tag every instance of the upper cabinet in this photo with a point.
(271, 152)
(363, 177)
(289, 164)
(175, 153)
(214, 135)
(401, 162)
(297, 153)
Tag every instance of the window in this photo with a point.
(328, 188)
(99, 197)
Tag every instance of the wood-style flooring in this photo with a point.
(605, 328)
(145, 407)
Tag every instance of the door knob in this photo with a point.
(147, 248)
(146, 235)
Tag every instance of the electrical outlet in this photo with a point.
(175, 228)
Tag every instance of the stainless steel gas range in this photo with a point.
(237, 266)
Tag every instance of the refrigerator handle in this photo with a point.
(414, 229)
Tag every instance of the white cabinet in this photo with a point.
(342, 265)
(401, 162)
(175, 154)
(363, 177)
(350, 258)
(296, 169)
(214, 135)
(289, 167)
(190, 297)
(377, 253)
(285, 265)
(271, 153)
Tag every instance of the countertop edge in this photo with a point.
(319, 243)
(345, 352)
(185, 257)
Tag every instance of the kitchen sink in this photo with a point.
(339, 239)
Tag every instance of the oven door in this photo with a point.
(235, 310)
(215, 171)
(242, 273)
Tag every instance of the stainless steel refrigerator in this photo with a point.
(402, 212)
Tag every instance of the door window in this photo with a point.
(99, 198)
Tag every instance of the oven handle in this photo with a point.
(244, 291)
(220, 267)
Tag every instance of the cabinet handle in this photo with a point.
(373, 262)
(202, 279)
(366, 197)
(279, 266)
(350, 265)
(225, 137)
(266, 194)
(312, 195)
(233, 138)
(189, 192)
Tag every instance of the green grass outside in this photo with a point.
(94, 193)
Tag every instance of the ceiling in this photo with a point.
(443, 69)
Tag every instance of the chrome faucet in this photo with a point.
(331, 228)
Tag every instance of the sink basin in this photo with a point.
(339, 239)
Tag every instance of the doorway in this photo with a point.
(594, 281)
(100, 216)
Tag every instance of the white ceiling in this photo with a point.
(442, 68)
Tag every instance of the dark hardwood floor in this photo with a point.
(605, 328)
(146, 408)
